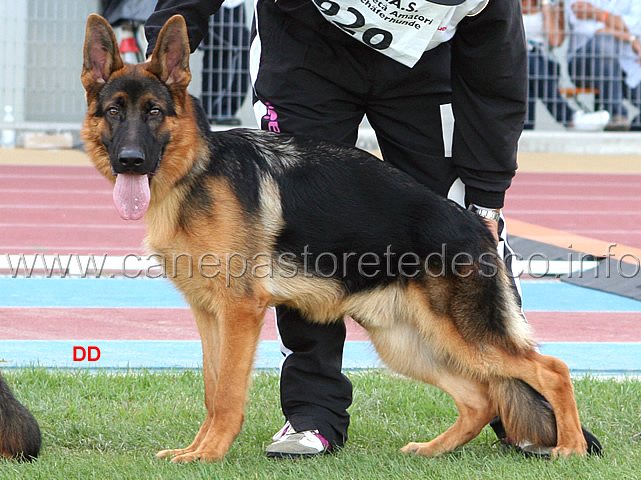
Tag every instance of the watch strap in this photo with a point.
(489, 213)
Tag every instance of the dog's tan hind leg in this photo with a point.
(551, 378)
(475, 411)
(404, 350)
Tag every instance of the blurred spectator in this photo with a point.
(544, 28)
(225, 72)
(118, 11)
(603, 48)
(128, 17)
(631, 56)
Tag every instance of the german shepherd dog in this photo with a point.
(304, 222)
(19, 432)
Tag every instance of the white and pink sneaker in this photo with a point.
(288, 443)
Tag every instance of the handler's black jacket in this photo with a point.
(489, 84)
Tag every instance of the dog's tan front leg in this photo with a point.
(210, 338)
(227, 382)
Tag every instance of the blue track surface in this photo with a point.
(595, 357)
(149, 293)
(589, 357)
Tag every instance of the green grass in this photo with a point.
(108, 426)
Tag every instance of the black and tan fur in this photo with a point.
(246, 192)
(19, 431)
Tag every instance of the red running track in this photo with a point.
(178, 324)
(602, 206)
(60, 209)
(69, 209)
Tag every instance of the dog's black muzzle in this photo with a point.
(131, 161)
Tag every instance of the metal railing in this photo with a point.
(225, 67)
(41, 47)
(582, 58)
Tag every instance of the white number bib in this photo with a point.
(401, 29)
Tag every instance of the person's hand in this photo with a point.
(636, 46)
(489, 216)
(584, 9)
(493, 226)
(588, 11)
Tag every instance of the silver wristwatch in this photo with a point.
(489, 213)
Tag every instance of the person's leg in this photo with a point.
(608, 73)
(419, 140)
(552, 98)
(410, 111)
(580, 68)
(596, 65)
(634, 96)
(304, 85)
(314, 393)
(543, 76)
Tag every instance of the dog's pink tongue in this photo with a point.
(131, 196)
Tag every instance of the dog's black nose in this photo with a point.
(131, 160)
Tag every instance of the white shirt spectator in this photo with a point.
(584, 29)
(534, 27)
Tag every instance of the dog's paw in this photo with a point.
(198, 455)
(168, 453)
(580, 449)
(171, 453)
(424, 449)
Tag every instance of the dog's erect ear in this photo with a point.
(101, 53)
(170, 58)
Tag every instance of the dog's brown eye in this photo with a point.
(154, 112)
(113, 111)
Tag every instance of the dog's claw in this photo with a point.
(170, 453)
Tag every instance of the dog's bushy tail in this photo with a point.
(525, 413)
(20, 437)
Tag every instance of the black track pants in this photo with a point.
(322, 83)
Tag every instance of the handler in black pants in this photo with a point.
(413, 67)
